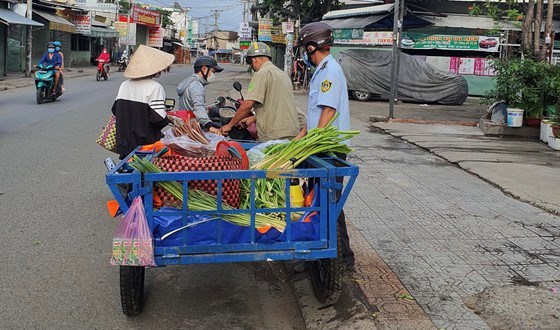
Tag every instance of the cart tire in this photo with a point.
(132, 289)
(327, 276)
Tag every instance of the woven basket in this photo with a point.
(178, 163)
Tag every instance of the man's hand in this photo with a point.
(246, 122)
(215, 130)
(225, 129)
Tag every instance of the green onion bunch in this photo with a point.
(289, 155)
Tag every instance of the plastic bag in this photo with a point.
(256, 153)
(191, 147)
(133, 240)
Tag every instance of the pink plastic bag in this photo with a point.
(133, 240)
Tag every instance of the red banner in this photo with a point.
(145, 17)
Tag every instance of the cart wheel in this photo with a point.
(132, 289)
(327, 276)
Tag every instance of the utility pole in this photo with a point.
(29, 49)
(128, 27)
(397, 27)
(216, 16)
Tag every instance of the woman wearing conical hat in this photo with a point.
(139, 107)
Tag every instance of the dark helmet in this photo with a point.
(208, 62)
(50, 44)
(318, 34)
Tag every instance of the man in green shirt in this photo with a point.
(271, 95)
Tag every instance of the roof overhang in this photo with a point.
(9, 17)
(99, 31)
(56, 22)
(362, 11)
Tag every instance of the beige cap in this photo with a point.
(147, 61)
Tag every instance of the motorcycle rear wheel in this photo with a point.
(41, 95)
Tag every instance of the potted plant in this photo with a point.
(526, 84)
(554, 138)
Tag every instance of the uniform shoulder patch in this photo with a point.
(250, 87)
(325, 86)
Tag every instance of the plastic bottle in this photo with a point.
(296, 193)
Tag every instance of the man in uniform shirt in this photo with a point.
(328, 95)
(271, 95)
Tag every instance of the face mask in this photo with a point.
(212, 78)
(51, 50)
(57, 49)
(104, 52)
(306, 60)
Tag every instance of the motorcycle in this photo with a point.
(102, 70)
(221, 115)
(122, 62)
(44, 82)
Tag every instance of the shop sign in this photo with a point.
(124, 40)
(471, 66)
(155, 36)
(373, 38)
(474, 43)
(245, 44)
(245, 30)
(348, 34)
(82, 21)
(277, 37)
(145, 16)
(265, 26)
(287, 27)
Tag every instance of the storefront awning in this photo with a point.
(9, 17)
(98, 32)
(358, 22)
(56, 22)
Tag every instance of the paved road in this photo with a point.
(56, 235)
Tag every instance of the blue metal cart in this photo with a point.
(323, 251)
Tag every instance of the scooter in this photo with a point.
(221, 115)
(44, 82)
(123, 62)
(102, 70)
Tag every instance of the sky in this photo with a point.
(230, 17)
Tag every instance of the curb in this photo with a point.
(371, 299)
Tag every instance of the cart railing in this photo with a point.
(126, 184)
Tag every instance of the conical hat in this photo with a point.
(147, 61)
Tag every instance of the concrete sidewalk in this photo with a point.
(525, 169)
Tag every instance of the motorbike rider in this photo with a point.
(271, 94)
(104, 58)
(124, 58)
(192, 95)
(328, 95)
(51, 57)
(58, 49)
